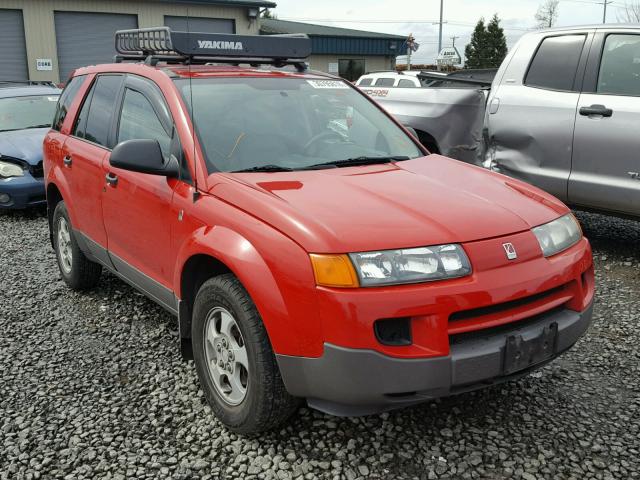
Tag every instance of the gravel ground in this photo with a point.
(92, 386)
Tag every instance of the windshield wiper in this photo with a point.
(39, 126)
(349, 162)
(265, 168)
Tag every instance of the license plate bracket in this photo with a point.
(520, 354)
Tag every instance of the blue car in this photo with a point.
(26, 113)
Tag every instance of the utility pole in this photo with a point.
(440, 30)
(605, 3)
(453, 40)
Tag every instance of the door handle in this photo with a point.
(67, 161)
(112, 179)
(600, 110)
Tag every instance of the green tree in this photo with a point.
(475, 51)
(488, 45)
(266, 13)
(496, 43)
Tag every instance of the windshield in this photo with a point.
(18, 113)
(289, 123)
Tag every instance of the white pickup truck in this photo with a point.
(562, 113)
(446, 112)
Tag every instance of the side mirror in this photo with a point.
(412, 131)
(144, 156)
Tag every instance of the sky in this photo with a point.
(417, 16)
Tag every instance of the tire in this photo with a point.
(77, 271)
(265, 403)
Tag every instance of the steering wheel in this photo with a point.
(320, 136)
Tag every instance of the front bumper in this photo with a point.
(23, 192)
(349, 382)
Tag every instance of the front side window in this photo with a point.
(555, 64)
(620, 66)
(94, 121)
(291, 123)
(34, 111)
(139, 120)
(406, 83)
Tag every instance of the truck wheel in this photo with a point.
(234, 360)
(78, 272)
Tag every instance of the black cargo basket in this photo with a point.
(153, 45)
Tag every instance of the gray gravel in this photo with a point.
(92, 386)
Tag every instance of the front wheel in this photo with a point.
(234, 360)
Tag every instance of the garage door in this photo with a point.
(88, 38)
(200, 24)
(13, 51)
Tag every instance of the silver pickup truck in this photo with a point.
(563, 113)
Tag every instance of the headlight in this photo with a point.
(556, 236)
(10, 170)
(413, 265)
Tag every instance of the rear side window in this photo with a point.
(66, 99)
(384, 82)
(365, 81)
(94, 121)
(406, 83)
(555, 64)
(140, 121)
(620, 66)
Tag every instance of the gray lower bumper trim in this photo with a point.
(349, 382)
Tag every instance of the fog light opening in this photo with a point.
(393, 332)
(5, 198)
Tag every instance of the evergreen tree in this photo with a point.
(488, 45)
(496, 43)
(476, 49)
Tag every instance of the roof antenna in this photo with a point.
(196, 192)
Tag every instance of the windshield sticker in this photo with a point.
(327, 84)
(52, 99)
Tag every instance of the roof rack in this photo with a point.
(161, 44)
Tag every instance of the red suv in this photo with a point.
(310, 247)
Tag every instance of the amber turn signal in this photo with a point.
(334, 271)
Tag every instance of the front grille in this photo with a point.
(502, 307)
(37, 171)
(517, 310)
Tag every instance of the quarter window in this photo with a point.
(555, 64)
(66, 99)
(620, 66)
(94, 121)
(140, 121)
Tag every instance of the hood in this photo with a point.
(23, 144)
(427, 201)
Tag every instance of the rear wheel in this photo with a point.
(234, 360)
(76, 269)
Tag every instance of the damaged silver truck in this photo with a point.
(562, 113)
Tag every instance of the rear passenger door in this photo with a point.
(606, 163)
(83, 153)
(531, 113)
(137, 206)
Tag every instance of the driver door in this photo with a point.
(136, 206)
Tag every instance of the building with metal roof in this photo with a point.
(48, 39)
(349, 53)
